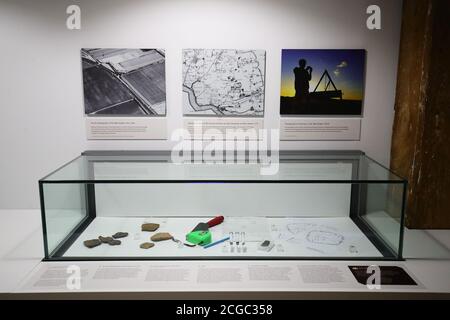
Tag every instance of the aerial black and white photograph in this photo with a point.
(124, 82)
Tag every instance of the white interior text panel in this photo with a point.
(320, 129)
(126, 128)
(232, 128)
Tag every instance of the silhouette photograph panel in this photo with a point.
(322, 82)
(124, 82)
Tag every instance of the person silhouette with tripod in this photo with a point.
(303, 75)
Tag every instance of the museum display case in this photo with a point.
(118, 205)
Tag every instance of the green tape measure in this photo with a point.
(201, 237)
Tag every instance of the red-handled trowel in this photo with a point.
(200, 234)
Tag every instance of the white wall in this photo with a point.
(41, 102)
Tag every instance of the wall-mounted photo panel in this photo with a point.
(124, 82)
(322, 82)
(124, 94)
(223, 82)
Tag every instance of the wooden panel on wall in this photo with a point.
(421, 134)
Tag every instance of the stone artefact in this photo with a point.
(150, 227)
(161, 236)
(147, 245)
(92, 243)
(105, 239)
(114, 242)
(118, 235)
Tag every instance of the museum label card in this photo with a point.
(389, 275)
(223, 128)
(126, 128)
(320, 129)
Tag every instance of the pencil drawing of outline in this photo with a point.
(324, 237)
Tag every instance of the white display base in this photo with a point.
(22, 271)
(293, 237)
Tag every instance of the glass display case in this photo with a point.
(114, 205)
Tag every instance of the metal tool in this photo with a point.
(181, 243)
(231, 242)
(237, 237)
(216, 242)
